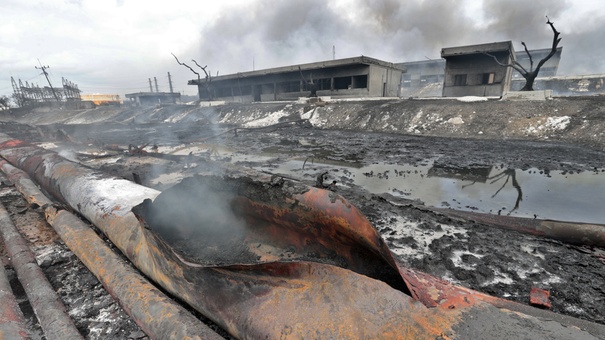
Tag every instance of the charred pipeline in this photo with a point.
(224, 221)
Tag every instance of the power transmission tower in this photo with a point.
(18, 94)
(43, 68)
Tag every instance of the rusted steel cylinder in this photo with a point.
(569, 232)
(157, 315)
(269, 294)
(47, 306)
(12, 325)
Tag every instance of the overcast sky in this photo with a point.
(114, 46)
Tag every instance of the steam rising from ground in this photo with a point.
(198, 221)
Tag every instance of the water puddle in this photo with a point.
(555, 195)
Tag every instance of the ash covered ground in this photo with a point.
(499, 262)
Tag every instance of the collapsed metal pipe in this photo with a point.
(47, 306)
(569, 232)
(157, 315)
(286, 291)
(12, 324)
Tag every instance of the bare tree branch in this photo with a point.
(312, 87)
(187, 66)
(533, 73)
(555, 43)
(203, 68)
(516, 66)
(531, 61)
(208, 78)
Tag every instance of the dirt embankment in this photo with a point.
(575, 120)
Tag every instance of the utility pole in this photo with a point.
(43, 68)
(170, 83)
(156, 84)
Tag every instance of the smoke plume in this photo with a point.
(278, 33)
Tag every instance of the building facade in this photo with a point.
(472, 71)
(424, 78)
(153, 98)
(351, 77)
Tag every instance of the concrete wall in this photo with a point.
(421, 73)
(587, 85)
(358, 80)
(384, 82)
(474, 66)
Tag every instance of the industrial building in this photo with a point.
(471, 70)
(421, 73)
(424, 78)
(153, 98)
(351, 77)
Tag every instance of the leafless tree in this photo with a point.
(310, 85)
(208, 78)
(531, 74)
(187, 66)
(199, 78)
(508, 173)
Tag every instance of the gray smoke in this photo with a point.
(286, 32)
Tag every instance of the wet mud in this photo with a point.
(499, 262)
(95, 313)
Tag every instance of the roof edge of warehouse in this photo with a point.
(365, 60)
(478, 48)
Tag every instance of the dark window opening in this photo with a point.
(223, 92)
(267, 88)
(488, 78)
(256, 92)
(323, 84)
(343, 83)
(289, 86)
(242, 90)
(460, 80)
(360, 82)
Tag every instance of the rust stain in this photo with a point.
(12, 144)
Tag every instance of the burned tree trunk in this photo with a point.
(310, 85)
(199, 78)
(208, 79)
(531, 75)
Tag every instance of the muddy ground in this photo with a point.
(499, 262)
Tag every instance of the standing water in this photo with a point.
(554, 195)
